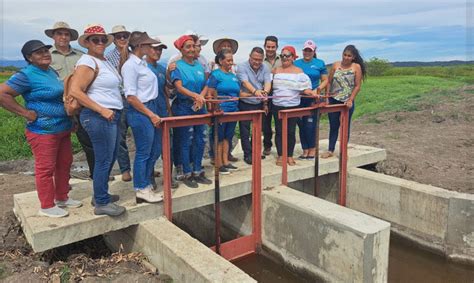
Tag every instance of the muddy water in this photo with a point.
(406, 264)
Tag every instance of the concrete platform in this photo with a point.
(45, 233)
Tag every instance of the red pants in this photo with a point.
(53, 159)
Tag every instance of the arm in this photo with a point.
(331, 76)
(358, 81)
(83, 76)
(198, 98)
(138, 105)
(7, 101)
(323, 85)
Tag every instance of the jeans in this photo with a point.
(123, 158)
(334, 123)
(190, 137)
(148, 145)
(244, 127)
(86, 145)
(174, 140)
(104, 136)
(291, 131)
(307, 126)
(53, 159)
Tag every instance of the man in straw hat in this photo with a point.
(63, 56)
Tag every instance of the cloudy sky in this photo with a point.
(403, 30)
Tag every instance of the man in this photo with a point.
(117, 58)
(272, 61)
(256, 81)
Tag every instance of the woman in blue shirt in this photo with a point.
(316, 70)
(48, 128)
(222, 82)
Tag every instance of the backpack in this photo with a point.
(71, 105)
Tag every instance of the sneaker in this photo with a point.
(54, 212)
(113, 198)
(232, 158)
(190, 182)
(68, 203)
(148, 195)
(231, 167)
(126, 177)
(179, 173)
(223, 171)
(174, 183)
(267, 151)
(212, 161)
(110, 209)
(111, 178)
(302, 157)
(309, 157)
(248, 160)
(202, 179)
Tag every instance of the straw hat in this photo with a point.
(234, 44)
(94, 29)
(118, 29)
(62, 25)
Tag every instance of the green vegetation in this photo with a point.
(397, 89)
(64, 274)
(377, 66)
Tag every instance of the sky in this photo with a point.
(403, 30)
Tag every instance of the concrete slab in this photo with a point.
(45, 233)
(176, 253)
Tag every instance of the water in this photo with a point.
(406, 264)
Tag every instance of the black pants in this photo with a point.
(291, 130)
(267, 127)
(86, 145)
(244, 127)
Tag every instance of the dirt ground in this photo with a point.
(434, 145)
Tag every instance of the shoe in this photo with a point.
(111, 178)
(267, 151)
(212, 161)
(54, 212)
(302, 157)
(231, 167)
(223, 171)
(126, 177)
(202, 179)
(174, 183)
(232, 158)
(310, 157)
(110, 209)
(156, 174)
(113, 198)
(248, 160)
(179, 173)
(68, 203)
(148, 195)
(190, 182)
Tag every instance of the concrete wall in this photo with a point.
(336, 243)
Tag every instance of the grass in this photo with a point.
(400, 89)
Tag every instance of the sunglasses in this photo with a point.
(286, 55)
(121, 36)
(98, 40)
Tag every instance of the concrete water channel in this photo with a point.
(303, 237)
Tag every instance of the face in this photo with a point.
(256, 60)
(121, 39)
(188, 49)
(40, 57)
(308, 54)
(227, 62)
(286, 58)
(154, 53)
(270, 48)
(197, 49)
(96, 43)
(347, 57)
(62, 37)
(225, 45)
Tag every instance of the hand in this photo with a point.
(317, 91)
(155, 120)
(31, 116)
(198, 101)
(348, 103)
(259, 93)
(107, 114)
(172, 67)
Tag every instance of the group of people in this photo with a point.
(127, 88)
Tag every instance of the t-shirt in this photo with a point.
(42, 91)
(315, 68)
(192, 77)
(105, 90)
(139, 80)
(160, 72)
(201, 59)
(287, 88)
(226, 84)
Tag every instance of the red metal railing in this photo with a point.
(244, 245)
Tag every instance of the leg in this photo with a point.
(123, 157)
(225, 148)
(63, 166)
(267, 127)
(278, 129)
(291, 136)
(86, 145)
(198, 145)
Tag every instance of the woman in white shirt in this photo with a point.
(141, 89)
(289, 82)
(96, 85)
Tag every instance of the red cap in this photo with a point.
(178, 43)
(291, 49)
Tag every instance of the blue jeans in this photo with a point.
(190, 137)
(123, 158)
(307, 127)
(104, 136)
(334, 123)
(148, 145)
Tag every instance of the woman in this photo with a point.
(289, 82)
(222, 82)
(316, 70)
(141, 90)
(48, 128)
(345, 80)
(102, 104)
(189, 80)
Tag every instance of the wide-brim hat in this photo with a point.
(94, 29)
(140, 38)
(119, 29)
(159, 44)
(234, 44)
(62, 25)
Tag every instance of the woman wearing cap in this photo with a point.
(190, 82)
(96, 85)
(345, 81)
(316, 70)
(222, 82)
(141, 90)
(48, 128)
(289, 82)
